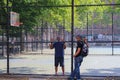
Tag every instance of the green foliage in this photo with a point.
(31, 14)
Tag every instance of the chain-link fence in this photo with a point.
(32, 44)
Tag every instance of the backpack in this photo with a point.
(85, 50)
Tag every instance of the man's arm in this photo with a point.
(64, 46)
(51, 46)
(86, 42)
(77, 52)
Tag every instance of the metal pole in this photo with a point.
(21, 40)
(42, 37)
(112, 35)
(87, 26)
(64, 29)
(46, 34)
(7, 34)
(72, 34)
(2, 43)
(26, 33)
(37, 43)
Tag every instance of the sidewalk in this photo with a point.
(51, 77)
(44, 64)
(37, 63)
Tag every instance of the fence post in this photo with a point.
(112, 35)
(7, 33)
(87, 27)
(2, 43)
(72, 34)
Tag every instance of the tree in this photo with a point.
(31, 14)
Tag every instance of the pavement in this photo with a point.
(52, 77)
(43, 64)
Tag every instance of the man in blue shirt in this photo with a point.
(59, 53)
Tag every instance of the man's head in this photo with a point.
(58, 38)
(78, 37)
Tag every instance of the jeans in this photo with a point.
(76, 72)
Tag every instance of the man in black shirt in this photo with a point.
(78, 58)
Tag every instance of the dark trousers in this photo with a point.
(76, 72)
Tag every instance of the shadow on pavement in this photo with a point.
(103, 72)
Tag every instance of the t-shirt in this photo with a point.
(59, 49)
(79, 45)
